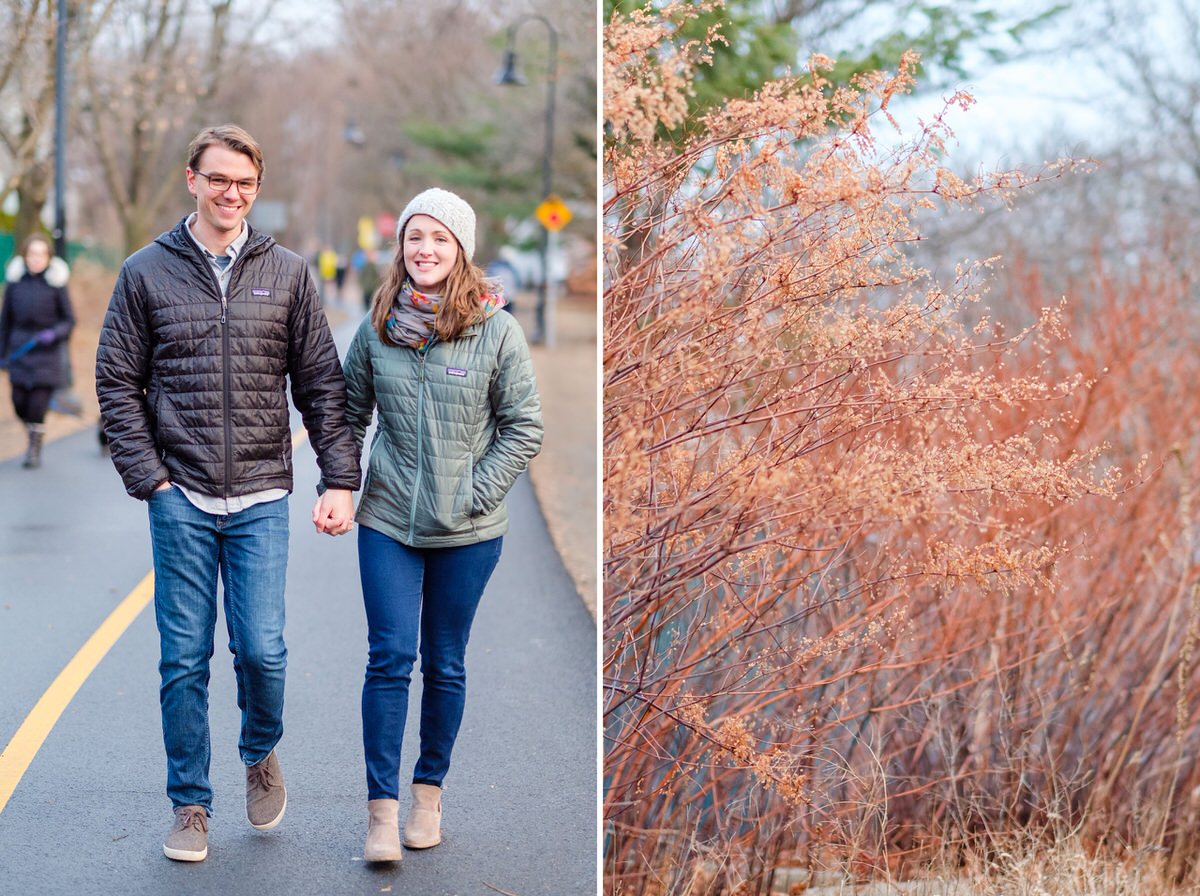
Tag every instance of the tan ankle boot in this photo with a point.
(383, 832)
(424, 828)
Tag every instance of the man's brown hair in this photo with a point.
(230, 136)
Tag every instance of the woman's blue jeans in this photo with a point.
(249, 550)
(409, 592)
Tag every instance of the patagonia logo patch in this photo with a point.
(260, 292)
(456, 371)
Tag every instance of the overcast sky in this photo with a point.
(1061, 100)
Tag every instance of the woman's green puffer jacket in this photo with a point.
(457, 425)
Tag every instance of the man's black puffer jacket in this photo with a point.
(192, 388)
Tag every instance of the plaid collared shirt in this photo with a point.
(221, 264)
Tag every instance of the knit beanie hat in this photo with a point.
(449, 209)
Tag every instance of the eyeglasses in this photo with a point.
(220, 183)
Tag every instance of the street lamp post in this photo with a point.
(510, 76)
(60, 117)
(64, 400)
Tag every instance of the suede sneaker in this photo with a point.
(266, 797)
(187, 841)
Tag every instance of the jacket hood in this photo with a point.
(57, 273)
(177, 240)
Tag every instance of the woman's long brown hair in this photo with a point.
(465, 287)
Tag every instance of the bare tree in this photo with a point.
(439, 116)
(26, 81)
(353, 115)
(150, 79)
(1156, 67)
(27, 86)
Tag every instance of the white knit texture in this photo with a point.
(449, 209)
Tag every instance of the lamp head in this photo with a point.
(509, 75)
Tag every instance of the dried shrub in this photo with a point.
(837, 492)
(1094, 733)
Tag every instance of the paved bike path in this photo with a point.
(90, 812)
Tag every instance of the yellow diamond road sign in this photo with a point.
(553, 213)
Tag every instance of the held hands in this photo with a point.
(333, 513)
(46, 336)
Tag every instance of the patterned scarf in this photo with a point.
(411, 321)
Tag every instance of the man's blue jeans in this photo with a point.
(249, 550)
(406, 591)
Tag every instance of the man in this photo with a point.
(205, 326)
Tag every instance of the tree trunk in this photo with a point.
(136, 230)
(32, 191)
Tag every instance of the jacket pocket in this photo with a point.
(153, 397)
(466, 491)
(167, 425)
(444, 505)
(481, 503)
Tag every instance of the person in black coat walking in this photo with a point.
(35, 318)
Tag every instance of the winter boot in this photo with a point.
(33, 456)
(383, 832)
(424, 828)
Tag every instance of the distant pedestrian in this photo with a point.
(339, 275)
(369, 279)
(459, 420)
(327, 269)
(35, 319)
(205, 327)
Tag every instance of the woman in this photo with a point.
(36, 316)
(459, 419)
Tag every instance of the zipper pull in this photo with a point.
(224, 306)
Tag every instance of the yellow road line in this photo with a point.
(33, 731)
(19, 752)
